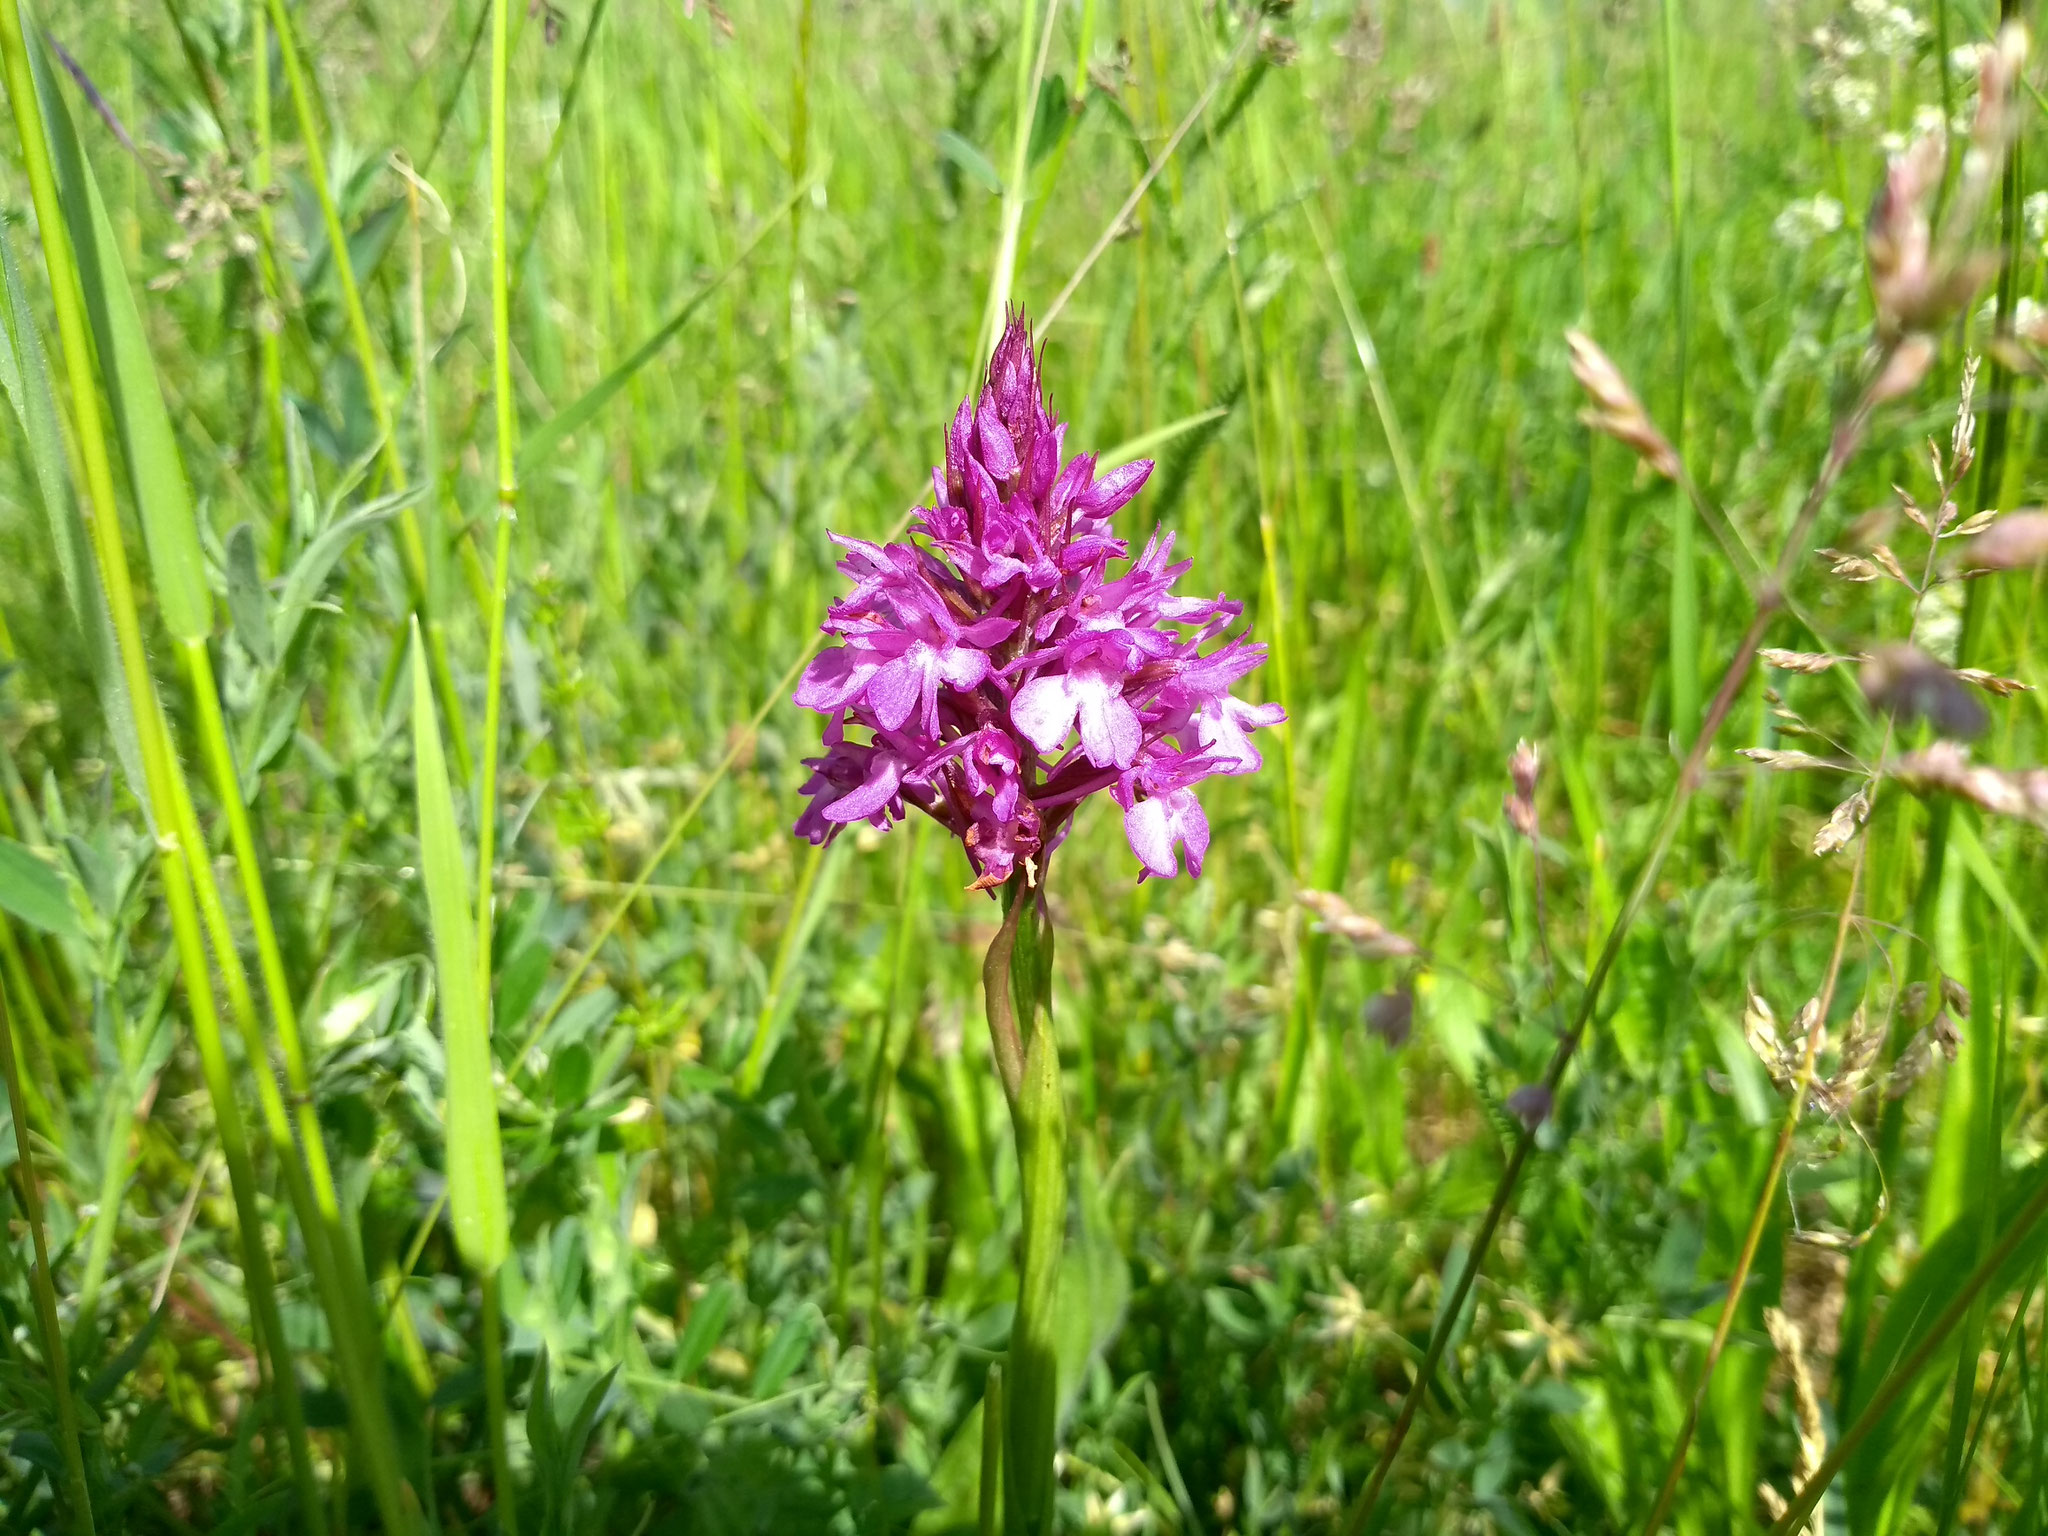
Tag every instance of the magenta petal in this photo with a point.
(956, 445)
(1044, 711)
(894, 692)
(982, 495)
(998, 451)
(1108, 495)
(1193, 826)
(885, 775)
(1151, 838)
(962, 666)
(1110, 729)
(833, 678)
(987, 632)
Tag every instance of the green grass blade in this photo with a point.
(26, 369)
(475, 1163)
(816, 887)
(55, 1364)
(540, 443)
(156, 474)
(1158, 437)
(34, 892)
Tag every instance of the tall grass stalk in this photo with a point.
(1296, 1037)
(163, 784)
(270, 319)
(1031, 57)
(487, 790)
(190, 889)
(55, 1361)
(1685, 592)
(543, 177)
(474, 1161)
(1421, 526)
(1121, 218)
(1767, 1198)
(1903, 1374)
(1847, 437)
(411, 542)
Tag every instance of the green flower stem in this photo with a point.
(1017, 979)
(54, 1360)
(494, 1406)
(411, 544)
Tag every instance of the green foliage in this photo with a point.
(719, 1114)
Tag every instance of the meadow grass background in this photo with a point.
(760, 1188)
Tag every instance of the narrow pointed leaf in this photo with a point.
(475, 1162)
(539, 443)
(156, 474)
(25, 373)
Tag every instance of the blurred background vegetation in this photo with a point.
(761, 1195)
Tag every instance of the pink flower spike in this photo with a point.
(997, 626)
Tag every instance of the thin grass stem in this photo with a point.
(1766, 1202)
(1684, 657)
(487, 793)
(1848, 435)
(1122, 216)
(411, 543)
(1902, 1375)
(1003, 273)
(55, 1363)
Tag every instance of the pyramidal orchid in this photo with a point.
(1008, 661)
(1000, 668)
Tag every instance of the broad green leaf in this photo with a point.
(34, 892)
(475, 1162)
(155, 472)
(1049, 122)
(1985, 873)
(785, 1352)
(1095, 1285)
(300, 483)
